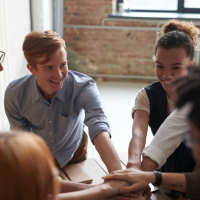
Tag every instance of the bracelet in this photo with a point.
(158, 176)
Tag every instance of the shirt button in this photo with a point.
(53, 147)
(50, 132)
(50, 122)
(51, 140)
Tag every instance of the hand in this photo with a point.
(139, 179)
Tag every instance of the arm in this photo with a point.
(138, 140)
(148, 164)
(12, 111)
(99, 130)
(107, 151)
(69, 186)
(106, 190)
(140, 180)
(109, 188)
(167, 138)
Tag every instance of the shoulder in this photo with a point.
(141, 96)
(79, 78)
(153, 86)
(79, 81)
(20, 84)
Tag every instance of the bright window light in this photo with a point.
(151, 4)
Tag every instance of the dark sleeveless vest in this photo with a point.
(181, 159)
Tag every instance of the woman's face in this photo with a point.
(171, 64)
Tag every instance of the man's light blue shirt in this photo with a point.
(61, 122)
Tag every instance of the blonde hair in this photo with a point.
(26, 167)
(37, 44)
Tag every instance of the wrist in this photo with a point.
(148, 164)
(151, 177)
(135, 165)
(158, 178)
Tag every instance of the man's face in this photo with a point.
(51, 75)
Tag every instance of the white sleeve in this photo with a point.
(168, 136)
(141, 102)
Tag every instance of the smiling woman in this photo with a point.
(174, 52)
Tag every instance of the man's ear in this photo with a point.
(31, 69)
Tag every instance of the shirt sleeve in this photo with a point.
(141, 102)
(12, 111)
(95, 117)
(168, 136)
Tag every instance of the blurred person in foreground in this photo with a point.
(27, 171)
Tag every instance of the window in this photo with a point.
(192, 4)
(150, 4)
(179, 6)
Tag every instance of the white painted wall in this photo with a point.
(42, 15)
(14, 26)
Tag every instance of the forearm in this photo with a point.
(136, 146)
(148, 164)
(90, 194)
(175, 181)
(138, 140)
(69, 186)
(107, 151)
(98, 192)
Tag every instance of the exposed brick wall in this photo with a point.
(86, 12)
(106, 51)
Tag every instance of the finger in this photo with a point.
(128, 189)
(119, 197)
(115, 176)
(132, 194)
(148, 191)
(139, 192)
(145, 196)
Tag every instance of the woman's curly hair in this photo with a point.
(176, 34)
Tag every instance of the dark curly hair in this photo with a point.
(177, 34)
(188, 90)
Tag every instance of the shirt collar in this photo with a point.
(36, 93)
(61, 93)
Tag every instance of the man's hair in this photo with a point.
(189, 91)
(26, 167)
(37, 44)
